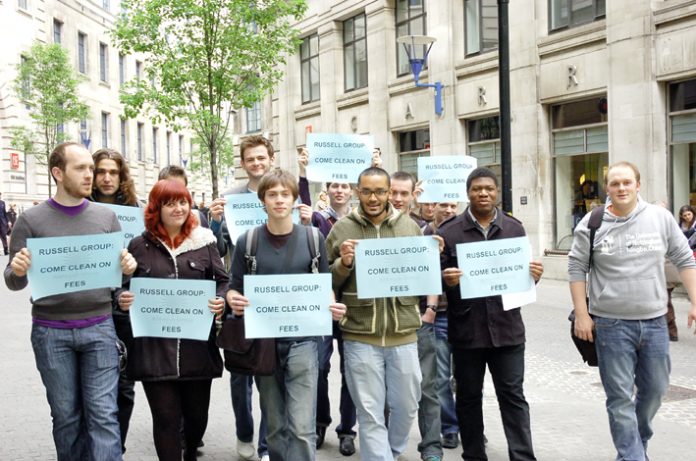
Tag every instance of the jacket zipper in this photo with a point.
(178, 340)
(384, 309)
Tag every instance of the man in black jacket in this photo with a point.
(481, 332)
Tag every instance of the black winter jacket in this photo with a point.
(158, 359)
(479, 322)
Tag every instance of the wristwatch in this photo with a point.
(432, 307)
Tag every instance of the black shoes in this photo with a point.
(450, 440)
(346, 445)
(321, 434)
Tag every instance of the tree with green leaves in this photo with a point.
(205, 58)
(48, 85)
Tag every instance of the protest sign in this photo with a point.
(131, 218)
(338, 157)
(171, 308)
(444, 178)
(286, 305)
(494, 267)
(244, 212)
(402, 266)
(68, 264)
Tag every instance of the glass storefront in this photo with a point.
(682, 117)
(580, 150)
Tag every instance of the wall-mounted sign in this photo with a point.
(14, 161)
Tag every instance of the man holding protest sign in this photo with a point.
(256, 159)
(380, 350)
(288, 397)
(481, 331)
(113, 184)
(73, 333)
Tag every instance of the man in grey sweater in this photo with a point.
(73, 334)
(628, 303)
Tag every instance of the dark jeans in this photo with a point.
(170, 401)
(346, 406)
(126, 387)
(506, 365)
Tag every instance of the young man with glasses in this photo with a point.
(381, 355)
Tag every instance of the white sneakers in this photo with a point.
(265, 458)
(246, 450)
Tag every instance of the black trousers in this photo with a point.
(506, 365)
(169, 402)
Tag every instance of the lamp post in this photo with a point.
(504, 83)
(417, 48)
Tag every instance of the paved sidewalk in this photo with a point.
(566, 399)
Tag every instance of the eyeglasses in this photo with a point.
(367, 193)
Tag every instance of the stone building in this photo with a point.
(592, 82)
(82, 27)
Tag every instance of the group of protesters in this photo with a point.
(397, 354)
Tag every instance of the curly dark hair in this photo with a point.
(126, 189)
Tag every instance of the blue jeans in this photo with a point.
(289, 399)
(377, 376)
(448, 414)
(240, 388)
(79, 369)
(633, 353)
(346, 406)
(429, 405)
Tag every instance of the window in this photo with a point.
(106, 5)
(105, 120)
(484, 142)
(60, 130)
(682, 136)
(309, 59)
(84, 134)
(138, 70)
(355, 52)
(580, 145)
(253, 117)
(570, 13)
(413, 144)
(181, 150)
(155, 146)
(103, 62)
(140, 133)
(481, 22)
(121, 69)
(23, 4)
(169, 147)
(124, 138)
(57, 32)
(410, 20)
(82, 52)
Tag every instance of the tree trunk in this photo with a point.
(212, 147)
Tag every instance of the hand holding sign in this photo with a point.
(128, 262)
(347, 252)
(21, 262)
(238, 302)
(338, 310)
(125, 300)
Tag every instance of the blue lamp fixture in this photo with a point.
(417, 48)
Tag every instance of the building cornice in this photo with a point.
(573, 38)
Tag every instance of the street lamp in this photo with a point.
(417, 48)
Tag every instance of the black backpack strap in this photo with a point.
(595, 222)
(252, 244)
(313, 242)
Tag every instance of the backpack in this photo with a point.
(256, 357)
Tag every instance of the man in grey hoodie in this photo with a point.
(628, 303)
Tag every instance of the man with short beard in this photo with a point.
(73, 334)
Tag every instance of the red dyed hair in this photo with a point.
(166, 191)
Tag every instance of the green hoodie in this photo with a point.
(377, 321)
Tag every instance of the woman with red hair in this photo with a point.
(176, 373)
